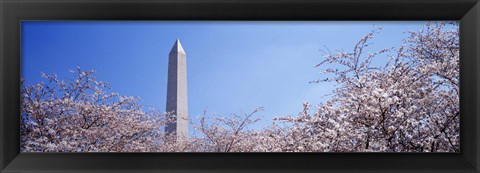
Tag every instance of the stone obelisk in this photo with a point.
(177, 92)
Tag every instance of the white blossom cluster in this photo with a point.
(78, 116)
(408, 104)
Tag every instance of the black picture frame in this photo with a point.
(13, 11)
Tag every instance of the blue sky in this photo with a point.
(232, 67)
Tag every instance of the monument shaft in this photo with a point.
(177, 92)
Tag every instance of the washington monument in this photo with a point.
(177, 92)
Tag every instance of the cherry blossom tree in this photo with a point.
(226, 134)
(78, 115)
(411, 103)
